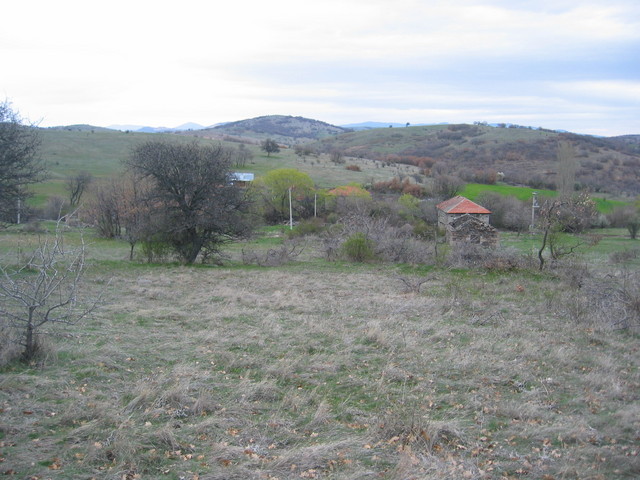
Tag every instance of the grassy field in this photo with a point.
(101, 153)
(320, 369)
(473, 190)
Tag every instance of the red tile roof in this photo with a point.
(461, 205)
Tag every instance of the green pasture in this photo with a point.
(102, 152)
(473, 191)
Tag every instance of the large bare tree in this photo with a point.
(195, 206)
(19, 163)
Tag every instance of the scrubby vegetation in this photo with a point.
(474, 366)
(485, 154)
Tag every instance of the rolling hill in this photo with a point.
(524, 155)
(283, 129)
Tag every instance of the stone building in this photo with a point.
(466, 222)
(457, 206)
(469, 230)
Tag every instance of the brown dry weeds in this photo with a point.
(286, 373)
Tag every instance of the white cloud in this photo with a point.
(165, 63)
(614, 90)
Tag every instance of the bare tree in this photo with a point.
(564, 214)
(242, 155)
(43, 290)
(337, 156)
(447, 186)
(105, 208)
(76, 186)
(195, 206)
(19, 163)
(304, 150)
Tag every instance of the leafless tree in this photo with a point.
(105, 209)
(76, 186)
(447, 186)
(43, 291)
(337, 156)
(304, 150)
(572, 215)
(242, 156)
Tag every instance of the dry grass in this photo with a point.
(239, 373)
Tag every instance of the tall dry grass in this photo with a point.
(327, 373)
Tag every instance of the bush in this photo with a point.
(624, 256)
(273, 257)
(56, 208)
(609, 302)
(476, 256)
(358, 248)
(312, 226)
(155, 250)
(506, 211)
(403, 249)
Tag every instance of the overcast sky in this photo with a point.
(560, 64)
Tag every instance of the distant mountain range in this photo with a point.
(191, 126)
(524, 155)
(267, 122)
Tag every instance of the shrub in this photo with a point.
(56, 208)
(273, 257)
(625, 255)
(358, 248)
(312, 226)
(610, 302)
(476, 256)
(155, 250)
(403, 249)
(353, 168)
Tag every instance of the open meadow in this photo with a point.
(317, 369)
(102, 153)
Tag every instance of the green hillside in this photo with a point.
(71, 150)
(525, 156)
(101, 152)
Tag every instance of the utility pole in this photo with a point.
(534, 205)
(290, 211)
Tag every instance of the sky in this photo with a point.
(559, 64)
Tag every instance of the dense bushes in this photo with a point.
(358, 248)
(507, 212)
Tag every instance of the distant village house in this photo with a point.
(466, 222)
(241, 179)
